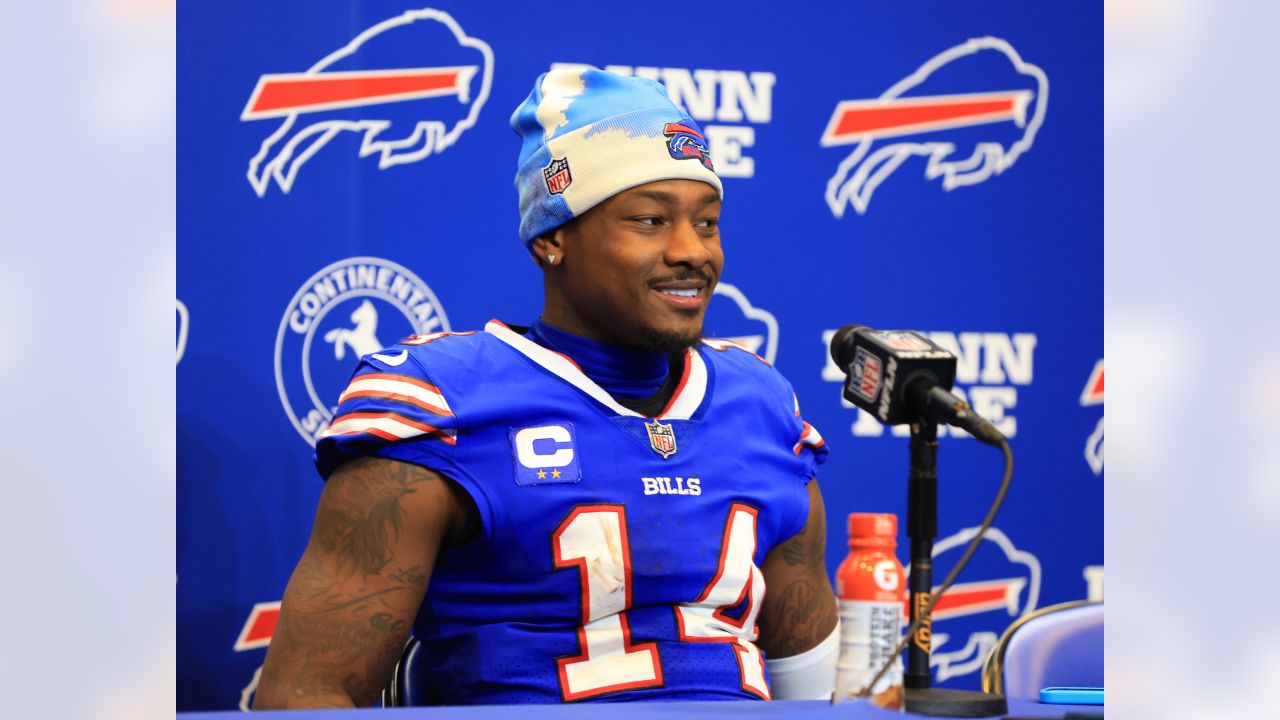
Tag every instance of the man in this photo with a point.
(596, 502)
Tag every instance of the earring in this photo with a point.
(551, 259)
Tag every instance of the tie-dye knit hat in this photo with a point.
(590, 134)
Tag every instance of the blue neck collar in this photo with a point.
(622, 372)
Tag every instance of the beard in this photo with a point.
(667, 342)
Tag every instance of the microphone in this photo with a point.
(901, 375)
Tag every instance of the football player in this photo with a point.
(589, 508)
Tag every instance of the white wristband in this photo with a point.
(811, 675)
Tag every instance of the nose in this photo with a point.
(685, 246)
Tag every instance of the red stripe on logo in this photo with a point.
(901, 116)
(263, 625)
(1093, 388)
(673, 128)
(968, 598)
(300, 93)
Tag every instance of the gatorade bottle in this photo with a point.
(872, 587)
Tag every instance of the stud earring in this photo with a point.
(551, 259)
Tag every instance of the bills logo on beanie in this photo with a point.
(686, 143)
(589, 134)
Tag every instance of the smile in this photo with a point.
(682, 299)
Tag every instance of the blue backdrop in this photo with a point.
(931, 166)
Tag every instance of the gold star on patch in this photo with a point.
(555, 473)
(542, 474)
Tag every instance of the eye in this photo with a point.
(650, 220)
(710, 223)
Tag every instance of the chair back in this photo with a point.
(409, 686)
(1057, 645)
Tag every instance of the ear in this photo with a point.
(548, 249)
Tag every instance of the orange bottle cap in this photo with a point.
(884, 525)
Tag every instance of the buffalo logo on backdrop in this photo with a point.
(728, 104)
(1092, 395)
(968, 620)
(990, 367)
(731, 317)
(408, 87)
(351, 308)
(971, 111)
(256, 634)
(184, 326)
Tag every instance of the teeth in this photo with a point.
(692, 292)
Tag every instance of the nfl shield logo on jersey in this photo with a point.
(662, 438)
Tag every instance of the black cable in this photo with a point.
(955, 571)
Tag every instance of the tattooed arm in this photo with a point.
(352, 598)
(799, 607)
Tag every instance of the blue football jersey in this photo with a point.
(620, 554)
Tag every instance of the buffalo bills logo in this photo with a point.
(1093, 395)
(409, 87)
(970, 112)
(684, 142)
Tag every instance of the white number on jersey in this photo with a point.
(737, 579)
(594, 539)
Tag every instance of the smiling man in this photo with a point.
(589, 508)
(649, 261)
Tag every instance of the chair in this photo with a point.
(408, 687)
(1056, 645)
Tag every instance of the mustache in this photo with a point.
(688, 273)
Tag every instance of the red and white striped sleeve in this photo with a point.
(809, 437)
(383, 411)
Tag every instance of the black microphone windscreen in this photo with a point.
(842, 345)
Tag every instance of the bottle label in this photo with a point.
(869, 631)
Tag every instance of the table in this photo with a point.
(804, 709)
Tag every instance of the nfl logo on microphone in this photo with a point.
(557, 175)
(864, 377)
(662, 438)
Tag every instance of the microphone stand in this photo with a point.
(922, 529)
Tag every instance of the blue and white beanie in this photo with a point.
(590, 134)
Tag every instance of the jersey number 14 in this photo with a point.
(593, 538)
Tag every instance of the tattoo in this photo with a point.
(366, 514)
(350, 603)
(410, 576)
(793, 551)
(799, 618)
(799, 610)
(361, 650)
(339, 601)
(383, 622)
(805, 548)
(343, 640)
